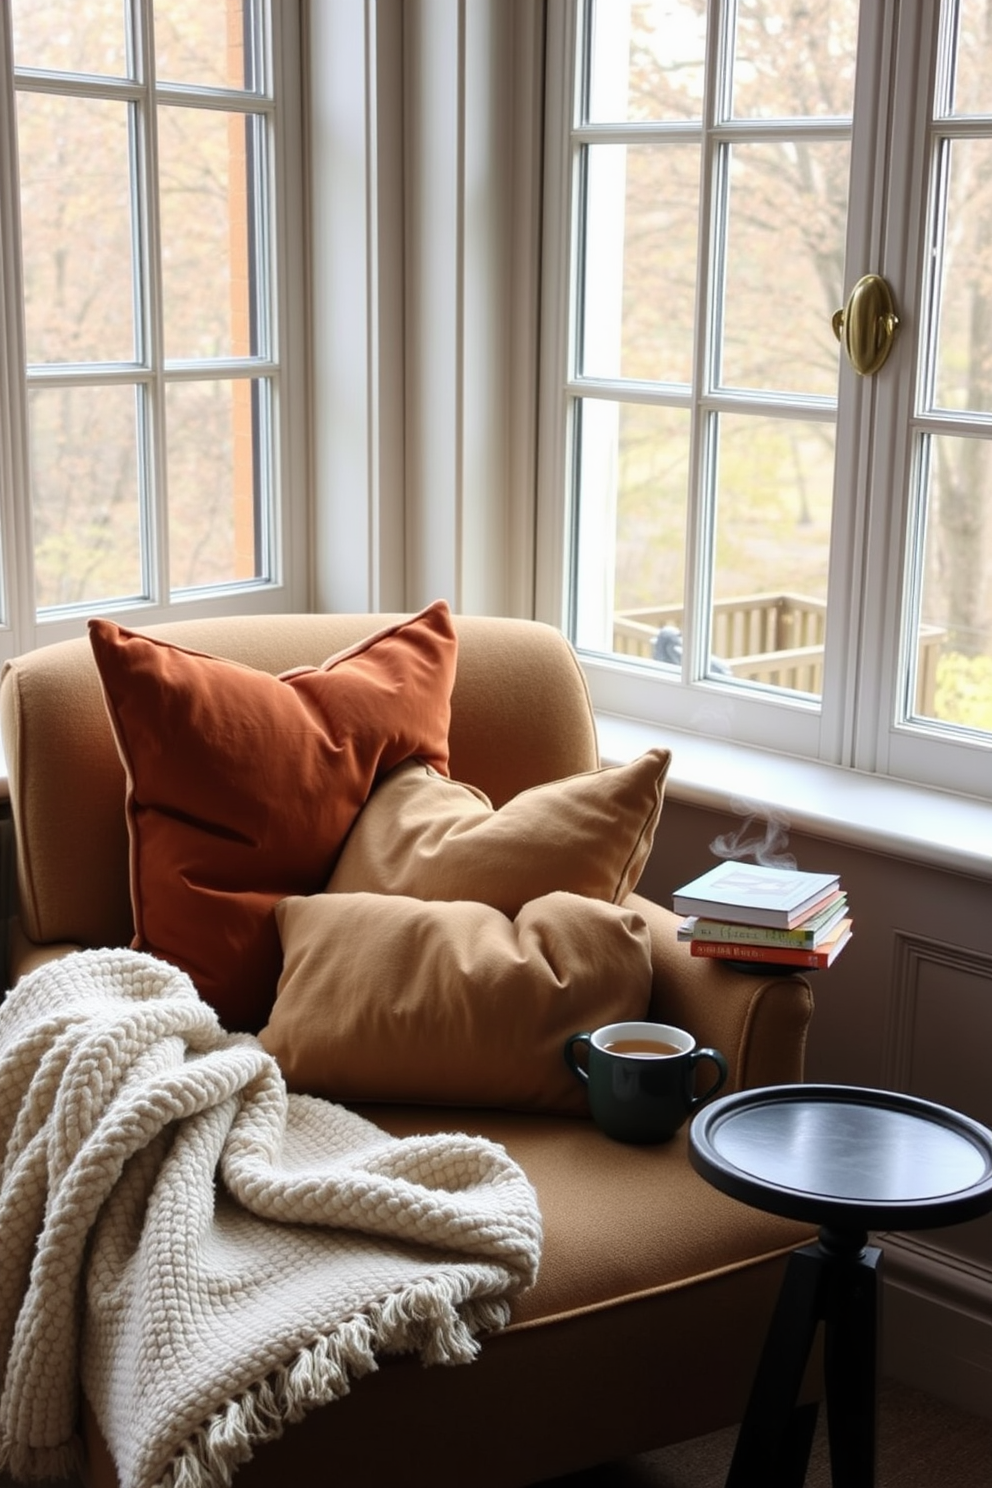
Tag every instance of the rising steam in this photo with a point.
(761, 838)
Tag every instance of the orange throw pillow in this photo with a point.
(241, 786)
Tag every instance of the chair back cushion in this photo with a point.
(520, 716)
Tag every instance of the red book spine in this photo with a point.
(735, 950)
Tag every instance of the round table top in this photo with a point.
(845, 1156)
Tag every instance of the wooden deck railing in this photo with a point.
(774, 639)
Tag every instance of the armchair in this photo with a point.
(655, 1290)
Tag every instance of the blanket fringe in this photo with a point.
(429, 1321)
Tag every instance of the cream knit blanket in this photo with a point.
(209, 1256)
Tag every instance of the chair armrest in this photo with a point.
(757, 1021)
(24, 955)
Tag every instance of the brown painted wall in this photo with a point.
(908, 1006)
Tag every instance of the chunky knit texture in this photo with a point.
(208, 1256)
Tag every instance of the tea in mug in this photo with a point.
(641, 1046)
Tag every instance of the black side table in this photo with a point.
(850, 1160)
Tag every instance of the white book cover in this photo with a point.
(753, 894)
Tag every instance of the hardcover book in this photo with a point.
(776, 955)
(815, 929)
(751, 894)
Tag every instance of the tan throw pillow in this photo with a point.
(387, 998)
(430, 837)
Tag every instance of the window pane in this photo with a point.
(65, 36)
(205, 42)
(214, 430)
(640, 266)
(964, 342)
(208, 262)
(630, 551)
(784, 272)
(84, 466)
(795, 61)
(973, 66)
(774, 501)
(647, 60)
(954, 627)
(76, 223)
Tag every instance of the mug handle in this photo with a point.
(570, 1059)
(721, 1073)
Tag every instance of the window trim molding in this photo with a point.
(17, 621)
(553, 528)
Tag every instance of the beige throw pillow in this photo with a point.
(424, 835)
(388, 998)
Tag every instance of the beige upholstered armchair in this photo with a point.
(654, 1290)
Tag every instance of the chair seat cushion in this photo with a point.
(620, 1221)
(644, 1326)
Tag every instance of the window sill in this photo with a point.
(866, 811)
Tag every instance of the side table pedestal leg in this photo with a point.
(835, 1280)
(775, 1437)
(850, 1364)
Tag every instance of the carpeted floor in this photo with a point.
(922, 1443)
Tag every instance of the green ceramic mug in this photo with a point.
(641, 1078)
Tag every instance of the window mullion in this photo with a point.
(264, 341)
(710, 258)
(147, 251)
(17, 617)
(892, 468)
(555, 516)
(852, 664)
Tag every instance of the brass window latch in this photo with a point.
(867, 325)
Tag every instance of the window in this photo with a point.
(742, 533)
(153, 258)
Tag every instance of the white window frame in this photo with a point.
(854, 730)
(285, 363)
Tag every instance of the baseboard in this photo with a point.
(937, 1323)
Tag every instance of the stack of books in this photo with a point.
(765, 916)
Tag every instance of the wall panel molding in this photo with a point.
(937, 1321)
(917, 1264)
(937, 989)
